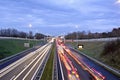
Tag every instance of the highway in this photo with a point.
(69, 64)
(94, 66)
(72, 70)
(26, 67)
(9, 60)
(14, 58)
(75, 66)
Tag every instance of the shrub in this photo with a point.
(112, 47)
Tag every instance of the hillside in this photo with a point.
(9, 47)
(106, 52)
(111, 54)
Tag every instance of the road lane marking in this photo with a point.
(12, 77)
(61, 68)
(18, 62)
(28, 65)
(20, 59)
(2, 73)
(37, 69)
(45, 53)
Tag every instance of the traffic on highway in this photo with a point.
(27, 67)
(59, 39)
(72, 68)
(68, 65)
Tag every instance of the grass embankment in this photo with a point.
(111, 54)
(10, 47)
(96, 49)
(92, 49)
(47, 74)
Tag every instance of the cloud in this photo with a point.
(117, 1)
(60, 14)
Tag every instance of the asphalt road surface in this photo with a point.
(26, 67)
(75, 66)
(108, 75)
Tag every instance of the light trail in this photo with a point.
(71, 70)
(68, 64)
(94, 73)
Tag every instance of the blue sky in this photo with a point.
(57, 17)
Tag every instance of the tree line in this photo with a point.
(15, 33)
(83, 35)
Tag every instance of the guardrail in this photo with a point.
(100, 63)
(98, 39)
(61, 67)
(55, 70)
(41, 70)
(7, 58)
(19, 38)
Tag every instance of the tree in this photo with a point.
(39, 36)
(82, 35)
(22, 34)
(15, 33)
(30, 35)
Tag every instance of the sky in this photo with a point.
(59, 17)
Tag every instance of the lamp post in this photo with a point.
(30, 26)
(77, 33)
(35, 39)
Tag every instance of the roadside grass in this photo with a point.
(111, 53)
(95, 49)
(92, 49)
(47, 74)
(10, 47)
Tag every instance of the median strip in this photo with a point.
(47, 74)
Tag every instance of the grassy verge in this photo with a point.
(47, 74)
(111, 54)
(92, 49)
(95, 49)
(10, 47)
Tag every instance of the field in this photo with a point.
(10, 47)
(92, 49)
(95, 49)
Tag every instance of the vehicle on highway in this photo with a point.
(72, 71)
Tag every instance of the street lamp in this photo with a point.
(35, 38)
(30, 26)
(76, 26)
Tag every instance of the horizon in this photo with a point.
(60, 17)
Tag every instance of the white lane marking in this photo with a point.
(61, 68)
(37, 69)
(13, 66)
(18, 62)
(28, 65)
(12, 77)
(45, 53)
